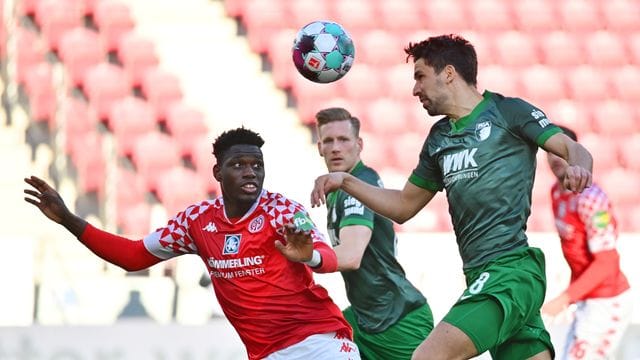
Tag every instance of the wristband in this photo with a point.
(316, 259)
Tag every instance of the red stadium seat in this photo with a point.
(136, 220)
(561, 49)
(602, 149)
(113, 19)
(137, 54)
(234, 8)
(515, 48)
(542, 83)
(308, 94)
(79, 120)
(571, 114)
(386, 116)
(279, 54)
(579, 15)
(361, 84)
(405, 150)
(627, 216)
(380, 48)
(535, 15)
(130, 191)
(491, 15)
(129, 119)
(306, 11)
(375, 150)
(629, 151)
(621, 16)
(587, 84)
(400, 15)
(154, 153)
(263, 18)
(606, 49)
(104, 84)
(89, 162)
(499, 79)
(41, 92)
(614, 118)
(203, 160)
(185, 123)
(626, 83)
(633, 40)
(483, 46)
(55, 17)
(398, 82)
(355, 15)
(621, 185)
(446, 15)
(30, 52)
(79, 50)
(161, 88)
(180, 187)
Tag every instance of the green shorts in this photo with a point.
(396, 342)
(500, 309)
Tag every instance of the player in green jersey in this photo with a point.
(389, 316)
(483, 153)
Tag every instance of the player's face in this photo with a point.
(557, 164)
(429, 88)
(241, 174)
(339, 146)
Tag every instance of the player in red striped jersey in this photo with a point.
(588, 235)
(263, 284)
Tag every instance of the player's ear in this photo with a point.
(360, 143)
(216, 173)
(319, 148)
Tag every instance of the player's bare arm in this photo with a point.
(578, 173)
(354, 240)
(299, 244)
(397, 205)
(48, 200)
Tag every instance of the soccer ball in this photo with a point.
(323, 52)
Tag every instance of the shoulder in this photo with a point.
(513, 105)
(194, 211)
(278, 205)
(368, 175)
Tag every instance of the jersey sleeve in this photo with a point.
(174, 239)
(593, 210)
(527, 121)
(427, 174)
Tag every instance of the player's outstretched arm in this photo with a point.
(397, 205)
(578, 174)
(128, 254)
(300, 247)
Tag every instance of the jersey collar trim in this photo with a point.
(249, 212)
(462, 123)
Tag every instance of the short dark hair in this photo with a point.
(443, 50)
(570, 133)
(239, 136)
(333, 114)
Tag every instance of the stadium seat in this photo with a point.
(129, 119)
(621, 185)
(605, 49)
(307, 94)
(161, 88)
(490, 15)
(400, 15)
(446, 15)
(130, 191)
(41, 92)
(375, 150)
(136, 220)
(234, 8)
(279, 54)
(154, 153)
(380, 48)
(633, 41)
(30, 51)
(79, 119)
(55, 17)
(306, 11)
(561, 49)
(614, 118)
(627, 216)
(626, 83)
(359, 84)
(498, 79)
(621, 16)
(571, 114)
(579, 15)
(263, 18)
(203, 160)
(79, 50)
(356, 15)
(516, 49)
(398, 82)
(586, 83)
(386, 116)
(603, 150)
(542, 83)
(534, 16)
(180, 187)
(89, 162)
(103, 84)
(629, 151)
(137, 54)
(113, 19)
(405, 149)
(483, 46)
(185, 123)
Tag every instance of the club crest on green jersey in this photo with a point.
(483, 130)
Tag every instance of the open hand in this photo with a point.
(325, 184)
(45, 198)
(299, 246)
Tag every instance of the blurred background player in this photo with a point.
(483, 153)
(389, 316)
(588, 235)
(271, 301)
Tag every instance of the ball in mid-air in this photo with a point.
(323, 51)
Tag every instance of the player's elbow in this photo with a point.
(351, 264)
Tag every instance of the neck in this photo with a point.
(464, 101)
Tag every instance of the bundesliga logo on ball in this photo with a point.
(323, 52)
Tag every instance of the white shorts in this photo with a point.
(598, 327)
(327, 346)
